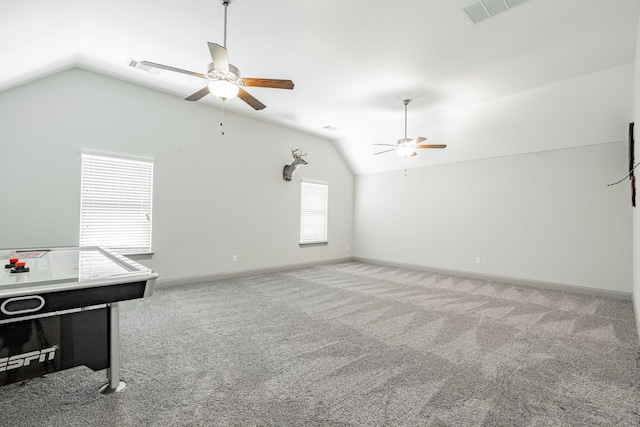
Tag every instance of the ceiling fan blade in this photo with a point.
(199, 94)
(419, 139)
(246, 97)
(219, 57)
(431, 146)
(174, 69)
(272, 83)
(388, 145)
(385, 151)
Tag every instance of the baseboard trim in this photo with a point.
(605, 293)
(243, 273)
(562, 287)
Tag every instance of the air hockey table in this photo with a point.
(60, 310)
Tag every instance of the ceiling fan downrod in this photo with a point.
(226, 4)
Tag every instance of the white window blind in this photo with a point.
(313, 212)
(115, 203)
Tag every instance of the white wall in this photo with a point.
(545, 217)
(214, 195)
(636, 213)
(590, 109)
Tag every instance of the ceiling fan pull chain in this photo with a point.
(222, 116)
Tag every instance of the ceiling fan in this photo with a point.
(224, 78)
(406, 147)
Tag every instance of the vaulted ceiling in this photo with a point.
(352, 61)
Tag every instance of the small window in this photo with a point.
(115, 203)
(313, 213)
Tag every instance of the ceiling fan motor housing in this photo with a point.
(406, 141)
(232, 76)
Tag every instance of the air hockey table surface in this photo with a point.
(64, 311)
(58, 269)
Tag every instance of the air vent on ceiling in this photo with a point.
(514, 3)
(495, 7)
(484, 9)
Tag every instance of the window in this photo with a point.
(115, 203)
(314, 201)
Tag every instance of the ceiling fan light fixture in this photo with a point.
(406, 150)
(223, 89)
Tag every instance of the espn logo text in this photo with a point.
(25, 359)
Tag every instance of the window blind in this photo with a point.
(115, 203)
(314, 198)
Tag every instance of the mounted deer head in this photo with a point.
(289, 170)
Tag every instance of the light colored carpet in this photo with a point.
(354, 345)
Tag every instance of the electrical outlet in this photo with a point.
(477, 260)
(347, 248)
(234, 258)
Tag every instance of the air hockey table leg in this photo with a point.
(113, 371)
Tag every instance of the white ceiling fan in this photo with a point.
(406, 147)
(225, 81)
